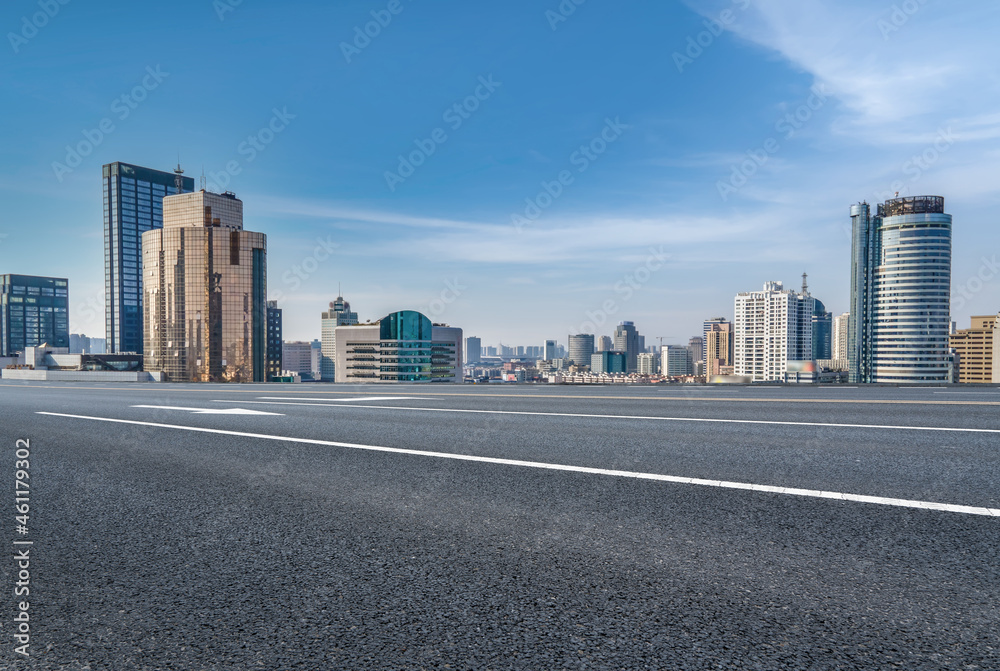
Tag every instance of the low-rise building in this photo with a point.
(976, 349)
(401, 347)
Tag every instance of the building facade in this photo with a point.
(403, 347)
(976, 348)
(581, 347)
(649, 363)
(707, 328)
(822, 321)
(627, 340)
(718, 346)
(550, 350)
(205, 286)
(296, 357)
(473, 349)
(33, 311)
(841, 325)
(608, 362)
(676, 361)
(772, 327)
(133, 204)
(339, 314)
(275, 353)
(900, 292)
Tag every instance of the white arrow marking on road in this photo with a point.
(211, 411)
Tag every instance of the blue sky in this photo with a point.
(634, 115)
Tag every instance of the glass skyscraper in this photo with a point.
(900, 292)
(33, 311)
(133, 204)
(205, 292)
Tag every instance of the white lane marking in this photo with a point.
(212, 411)
(643, 417)
(968, 392)
(343, 400)
(721, 484)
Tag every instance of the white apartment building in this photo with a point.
(772, 327)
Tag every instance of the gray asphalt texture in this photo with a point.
(157, 548)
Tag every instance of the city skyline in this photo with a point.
(662, 201)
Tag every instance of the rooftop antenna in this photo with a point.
(202, 176)
(805, 284)
(178, 179)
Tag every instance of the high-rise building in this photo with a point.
(274, 340)
(718, 347)
(822, 321)
(696, 345)
(976, 348)
(900, 292)
(33, 311)
(581, 346)
(133, 204)
(627, 340)
(550, 352)
(400, 347)
(608, 362)
(649, 363)
(339, 314)
(772, 327)
(841, 326)
(707, 326)
(473, 349)
(605, 344)
(205, 292)
(296, 357)
(675, 361)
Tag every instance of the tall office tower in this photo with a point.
(900, 292)
(696, 345)
(976, 348)
(205, 292)
(133, 204)
(473, 349)
(772, 327)
(549, 350)
(718, 347)
(605, 344)
(649, 363)
(627, 340)
(581, 346)
(675, 361)
(707, 326)
(33, 311)
(316, 358)
(339, 314)
(822, 321)
(274, 340)
(840, 330)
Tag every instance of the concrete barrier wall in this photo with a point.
(79, 376)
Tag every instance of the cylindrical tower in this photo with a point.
(912, 289)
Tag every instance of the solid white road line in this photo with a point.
(344, 400)
(809, 493)
(642, 417)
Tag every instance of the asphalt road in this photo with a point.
(513, 527)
